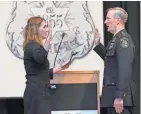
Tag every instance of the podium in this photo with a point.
(75, 92)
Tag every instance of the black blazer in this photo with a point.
(36, 64)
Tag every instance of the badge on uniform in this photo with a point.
(124, 42)
(111, 45)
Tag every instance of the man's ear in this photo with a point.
(118, 19)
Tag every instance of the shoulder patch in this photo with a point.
(124, 42)
(111, 45)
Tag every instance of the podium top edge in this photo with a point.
(79, 72)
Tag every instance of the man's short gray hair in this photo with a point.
(120, 12)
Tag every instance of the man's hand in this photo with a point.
(118, 104)
(97, 37)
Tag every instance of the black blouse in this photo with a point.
(36, 64)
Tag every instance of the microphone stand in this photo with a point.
(63, 34)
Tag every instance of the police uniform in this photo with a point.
(38, 75)
(118, 76)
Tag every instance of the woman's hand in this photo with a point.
(60, 67)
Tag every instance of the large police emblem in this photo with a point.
(72, 28)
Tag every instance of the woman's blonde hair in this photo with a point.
(31, 30)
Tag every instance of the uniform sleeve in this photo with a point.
(39, 54)
(100, 50)
(51, 73)
(125, 56)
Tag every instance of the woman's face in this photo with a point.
(44, 30)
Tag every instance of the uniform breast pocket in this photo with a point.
(111, 49)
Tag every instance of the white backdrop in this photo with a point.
(12, 73)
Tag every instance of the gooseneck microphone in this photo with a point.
(63, 34)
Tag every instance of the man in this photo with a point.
(118, 87)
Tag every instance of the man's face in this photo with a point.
(44, 30)
(111, 22)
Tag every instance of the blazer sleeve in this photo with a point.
(39, 54)
(100, 50)
(125, 56)
(51, 73)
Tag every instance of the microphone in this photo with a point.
(63, 34)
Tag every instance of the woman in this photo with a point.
(38, 74)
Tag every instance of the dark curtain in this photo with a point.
(11, 106)
(133, 27)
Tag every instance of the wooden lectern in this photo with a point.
(76, 77)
